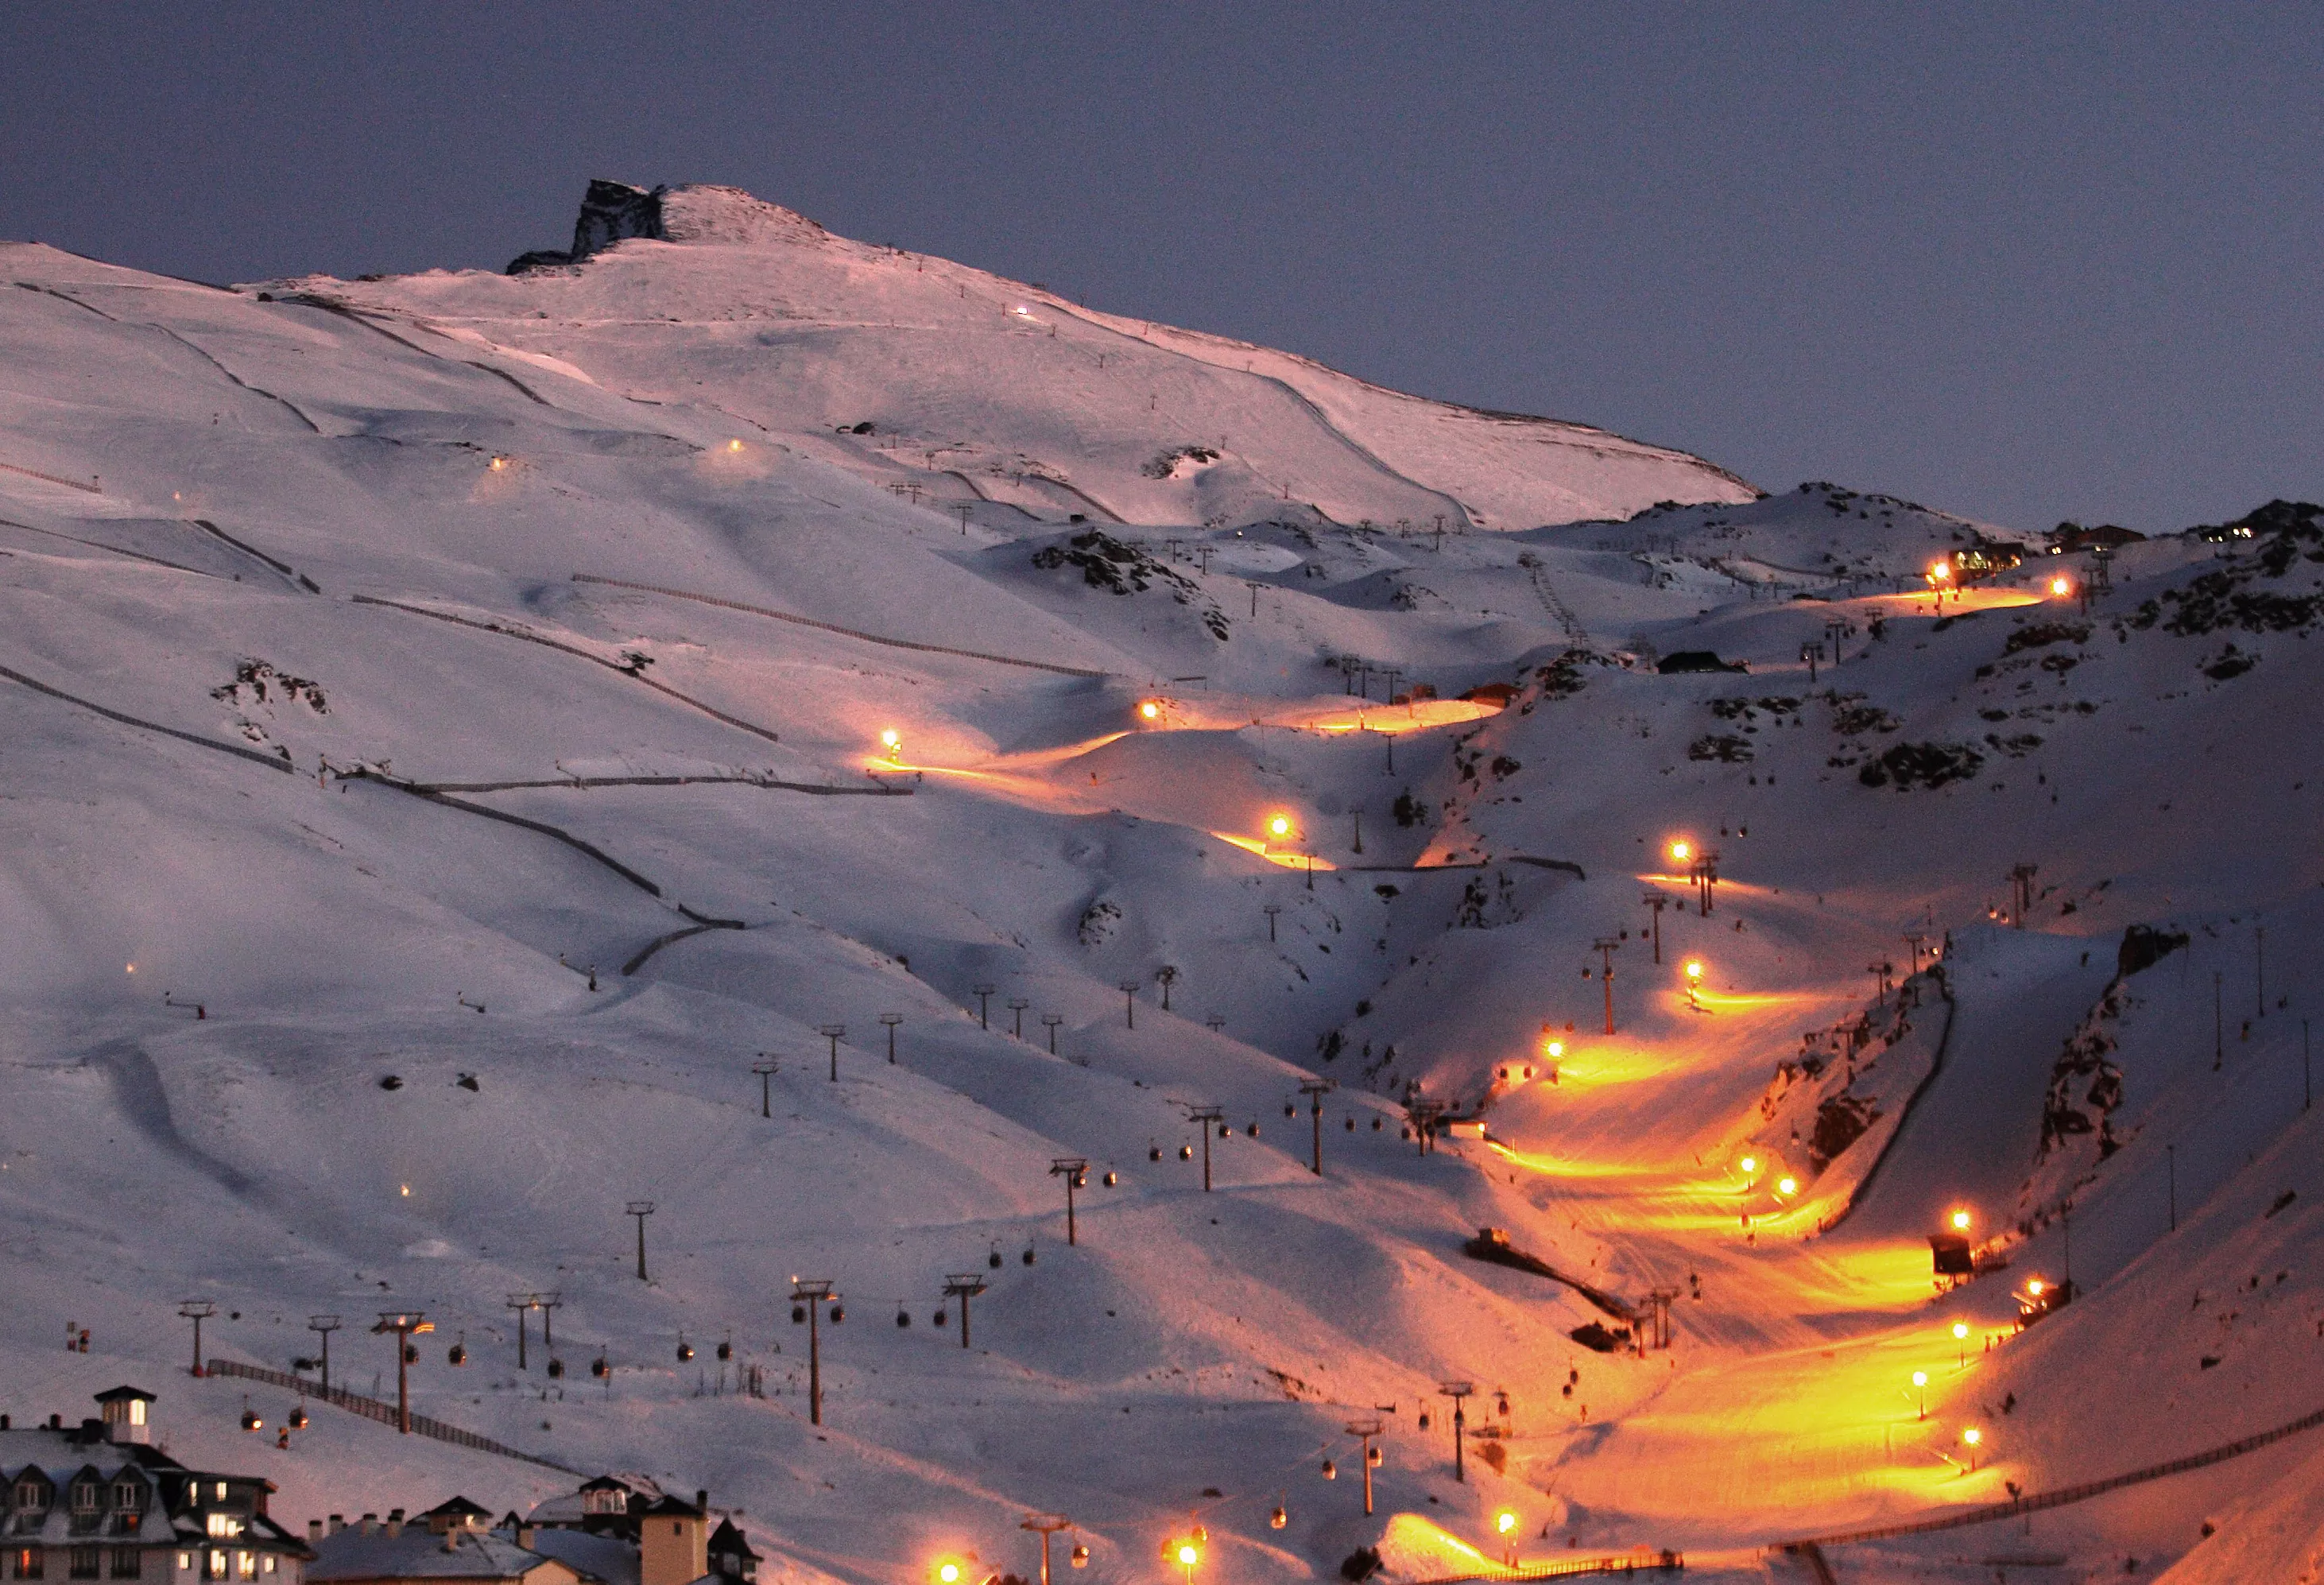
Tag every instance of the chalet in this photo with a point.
(97, 1501)
(447, 1545)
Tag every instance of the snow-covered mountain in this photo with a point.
(444, 752)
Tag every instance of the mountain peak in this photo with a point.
(615, 211)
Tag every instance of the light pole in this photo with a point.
(963, 1287)
(640, 1209)
(1203, 1117)
(1271, 910)
(1366, 1431)
(1606, 947)
(811, 1296)
(326, 1325)
(1075, 1170)
(1456, 1391)
(1016, 1005)
(404, 1324)
(832, 1032)
(766, 1068)
(1053, 1020)
(1315, 1090)
(1920, 1391)
(891, 1021)
(1130, 1003)
(1165, 976)
(197, 1311)
(983, 994)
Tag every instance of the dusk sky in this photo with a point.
(2022, 263)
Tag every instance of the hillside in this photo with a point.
(468, 691)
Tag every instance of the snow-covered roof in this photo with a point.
(417, 1553)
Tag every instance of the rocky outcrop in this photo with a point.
(610, 212)
(615, 211)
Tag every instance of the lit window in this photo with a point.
(266, 1564)
(28, 1562)
(246, 1565)
(185, 1562)
(215, 1569)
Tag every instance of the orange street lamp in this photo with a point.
(1151, 711)
(947, 1572)
(1972, 1438)
(1787, 1185)
(1681, 849)
(1960, 1338)
(1506, 1522)
(1750, 1165)
(2062, 586)
(1921, 1385)
(893, 741)
(1554, 1049)
(1960, 1221)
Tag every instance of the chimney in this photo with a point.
(56, 1422)
(370, 1523)
(6, 1422)
(452, 1539)
(314, 1531)
(525, 1536)
(394, 1527)
(338, 1523)
(702, 1499)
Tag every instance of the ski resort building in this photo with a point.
(96, 1501)
(610, 1532)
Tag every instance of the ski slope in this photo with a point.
(468, 692)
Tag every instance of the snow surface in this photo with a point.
(338, 525)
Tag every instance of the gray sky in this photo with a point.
(2021, 262)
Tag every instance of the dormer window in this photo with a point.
(128, 1496)
(84, 1497)
(223, 1526)
(606, 1500)
(32, 1497)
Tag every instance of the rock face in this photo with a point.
(610, 212)
(614, 211)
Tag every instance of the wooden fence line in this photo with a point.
(373, 1409)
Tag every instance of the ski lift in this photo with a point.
(1111, 1179)
(1423, 1419)
(1185, 1153)
(1154, 1153)
(1352, 1125)
(994, 1260)
(1029, 1254)
(937, 1320)
(1080, 1557)
(298, 1420)
(838, 1314)
(1375, 1457)
(685, 1349)
(1081, 1180)
(1330, 1471)
(726, 1348)
(601, 1367)
(799, 1314)
(1253, 1129)
(1278, 1518)
(1405, 1132)
(556, 1368)
(457, 1354)
(1291, 1108)
(1376, 1125)
(903, 1318)
(1226, 1130)
(250, 1420)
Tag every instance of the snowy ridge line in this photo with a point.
(1661, 1562)
(52, 478)
(1936, 1065)
(542, 826)
(373, 1409)
(493, 627)
(833, 627)
(2066, 1495)
(101, 545)
(877, 790)
(271, 761)
(284, 568)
